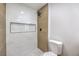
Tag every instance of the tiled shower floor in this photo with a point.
(36, 52)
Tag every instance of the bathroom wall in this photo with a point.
(64, 26)
(2, 29)
(20, 43)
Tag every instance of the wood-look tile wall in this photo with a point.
(2, 29)
(43, 28)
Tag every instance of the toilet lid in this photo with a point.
(49, 54)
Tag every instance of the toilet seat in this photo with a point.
(49, 54)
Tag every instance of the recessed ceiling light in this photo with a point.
(22, 12)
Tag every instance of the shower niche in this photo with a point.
(22, 27)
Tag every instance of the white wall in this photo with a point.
(65, 26)
(20, 43)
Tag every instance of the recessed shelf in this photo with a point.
(22, 27)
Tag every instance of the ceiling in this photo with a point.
(35, 6)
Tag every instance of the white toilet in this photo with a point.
(55, 48)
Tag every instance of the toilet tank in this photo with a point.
(55, 47)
